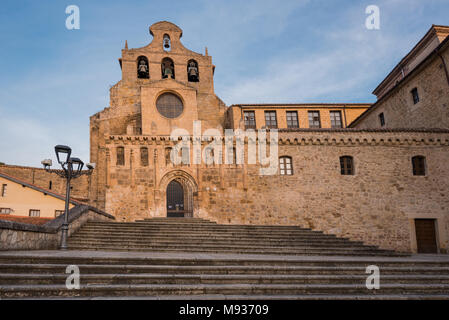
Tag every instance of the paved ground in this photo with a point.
(200, 256)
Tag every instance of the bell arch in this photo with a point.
(189, 189)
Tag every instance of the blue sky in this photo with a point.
(53, 79)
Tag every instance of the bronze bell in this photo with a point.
(166, 42)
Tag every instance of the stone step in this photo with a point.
(8, 291)
(238, 250)
(208, 235)
(117, 269)
(198, 226)
(217, 242)
(249, 297)
(201, 236)
(194, 259)
(201, 231)
(161, 278)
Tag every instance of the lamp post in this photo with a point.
(71, 169)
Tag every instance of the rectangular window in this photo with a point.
(250, 119)
(270, 119)
(120, 156)
(419, 166)
(336, 119)
(5, 210)
(292, 119)
(59, 213)
(314, 119)
(4, 186)
(285, 166)
(35, 213)
(144, 157)
(415, 95)
(347, 165)
(382, 119)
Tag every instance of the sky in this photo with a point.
(266, 51)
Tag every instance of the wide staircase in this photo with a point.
(198, 235)
(197, 259)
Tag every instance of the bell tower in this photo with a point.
(166, 73)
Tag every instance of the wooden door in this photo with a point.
(426, 236)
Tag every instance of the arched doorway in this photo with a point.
(175, 199)
(174, 184)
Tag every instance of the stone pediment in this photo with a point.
(165, 26)
(169, 84)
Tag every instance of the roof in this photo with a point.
(34, 187)
(367, 130)
(434, 29)
(402, 81)
(302, 105)
(21, 219)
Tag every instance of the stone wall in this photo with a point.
(432, 111)
(376, 205)
(41, 178)
(21, 236)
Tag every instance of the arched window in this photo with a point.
(347, 165)
(285, 166)
(419, 165)
(144, 156)
(185, 154)
(168, 68)
(209, 156)
(120, 156)
(143, 69)
(167, 156)
(192, 71)
(167, 42)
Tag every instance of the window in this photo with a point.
(50, 185)
(169, 105)
(35, 213)
(382, 119)
(314, 119)
(292, 119)
(419, 166)
(347, 165)
(5, 210)
(4, 187)
(144, 157)
(285, 166)
(167, 156)
(143, 68)
(336, 119)
(59, 213)
(270, 119)
(192, 71)
(250, 119)
(168, 68)
(185, 156)
(120, 156)
(209, 155)
(415, 95)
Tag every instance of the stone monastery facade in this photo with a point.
(337, 169)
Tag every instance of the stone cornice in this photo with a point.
(393, 137)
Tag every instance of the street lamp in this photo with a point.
(71, 169)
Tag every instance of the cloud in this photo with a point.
(26, 141)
